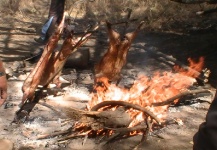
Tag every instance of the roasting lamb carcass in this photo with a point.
(115, 58)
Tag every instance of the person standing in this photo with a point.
(3, 84)
(206, 136)
(55, 16)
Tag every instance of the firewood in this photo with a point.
(76, 135)
(117, 121)
(99, 119)
(189, 92)
(205, 12)
(127, 105)
(45, 136)
(119, 132)
(52, 108)
(124, 130)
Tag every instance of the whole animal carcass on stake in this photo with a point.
(51, 63)
(33, 79)
(109, 67)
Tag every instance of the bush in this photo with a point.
(158, 14)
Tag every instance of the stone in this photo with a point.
(6, 144)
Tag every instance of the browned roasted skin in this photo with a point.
(3, 85)
(33, 80)
(115, 58)
(57, 62)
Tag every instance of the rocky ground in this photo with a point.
(17, 43)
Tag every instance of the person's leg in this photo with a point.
(57, 9)
(56, 13)
(206, 137)
(51, 28)
(46, 27)
(43, 37)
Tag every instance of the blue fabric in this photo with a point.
(46, 27)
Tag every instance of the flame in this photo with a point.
(146, 91)
(194, 67)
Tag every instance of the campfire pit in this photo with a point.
(118, 112)
(108, 125)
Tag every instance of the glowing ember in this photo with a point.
(146, 91)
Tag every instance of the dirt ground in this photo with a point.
(17, 35)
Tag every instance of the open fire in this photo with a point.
(144, 92)
(113, 109)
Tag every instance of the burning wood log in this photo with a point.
(99, 119)
(93, 121)
(107, 121)
(115, 58)
(125, 104)
(172, 99)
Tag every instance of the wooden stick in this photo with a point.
(204, 12)
(46, 136)
(124, 22)
(125, 104)
(52, 108)
(72, 136)
(170, 100)
(113, 137)
(124, 130)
